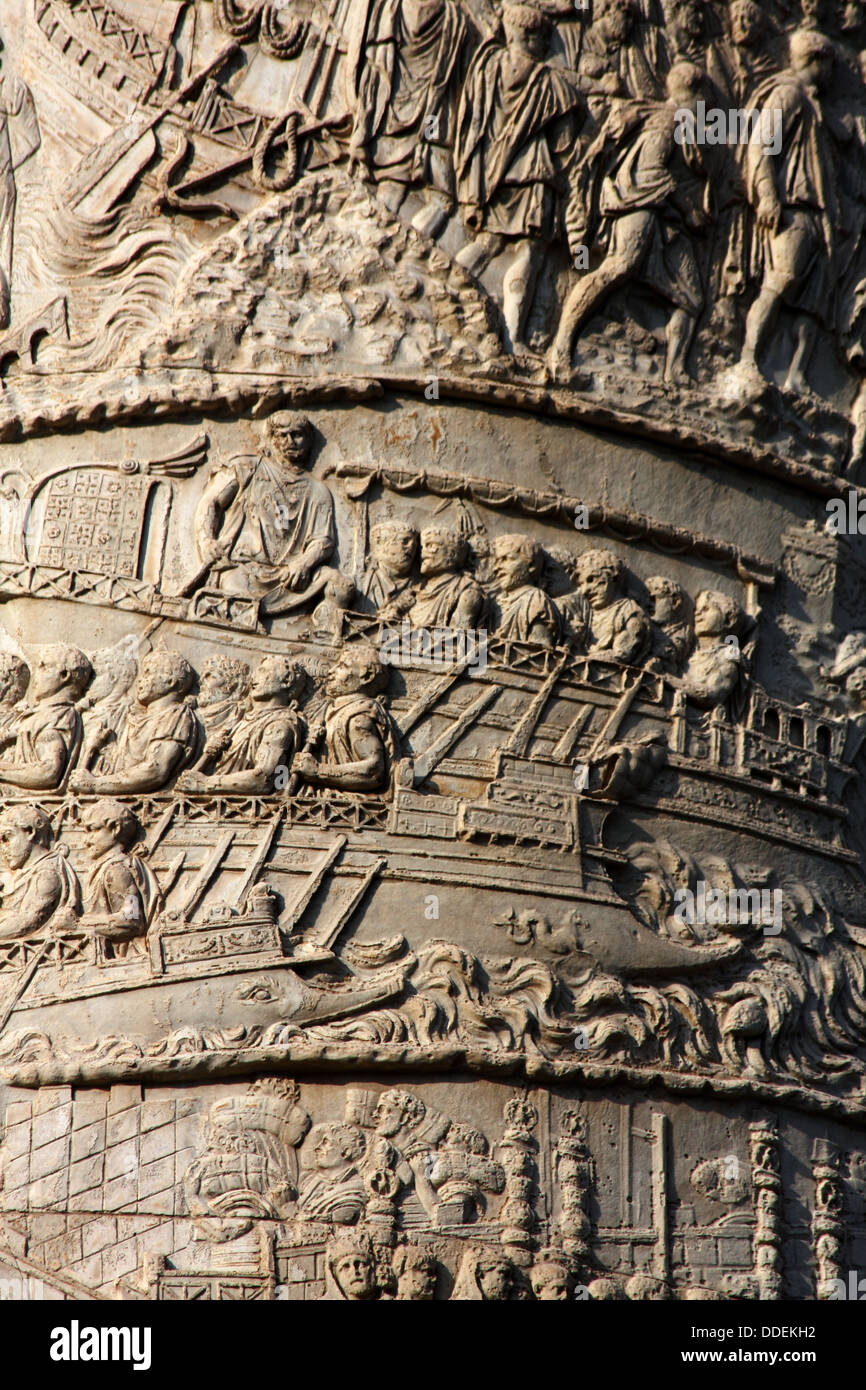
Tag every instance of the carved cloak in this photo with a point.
(400, 80)
(505, 145)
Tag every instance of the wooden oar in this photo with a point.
(24, 981)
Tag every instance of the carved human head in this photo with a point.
(812, 57)
(23, 831)
(466, 1138)
(162, 673)
(394, 546)
(14, 678)
(291, 437)
(222, 678)
(517, 560)
(689, 17)
(494, 1277)
(526, 27)
(605, 1290)
(277, 675)
(108, 824)
(551, 1277)
(669, 601)
(57, 669)
(748, 23)
(716, 615)
(350, 1260)
(397, 1110)
(855, 687)
(643, 1288)
(358, 669)
(416, 1271)
(442, 551)
(599, 577)
(614, 19)
(116, 669)
(334, 1145)
(685, 82)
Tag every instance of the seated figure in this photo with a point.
(264, 525)
(446, 596)
(619, 629)
(266, 735)
(41, 889)
(44, 734)
(121, 894)
(332, 1186)
(521, 609)
(354, 747)
(386, 583)
(718, 663)
(160, 734)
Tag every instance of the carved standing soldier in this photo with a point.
(160, 734)
(244, 759)
(517, 129)
(794, 200)
(654, 197)
(19, 140)
(355, 745)
(121, 894)
(263, 524)
(45, 733)
(447, 596)
(407, 64)
(40, 889)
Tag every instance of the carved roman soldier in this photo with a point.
(355, 745)
(407, 64)
(446, 596)
(44, 734)
(521, 609)
(121, 893)
(268, 730)
(41, 888)
(159, 736)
